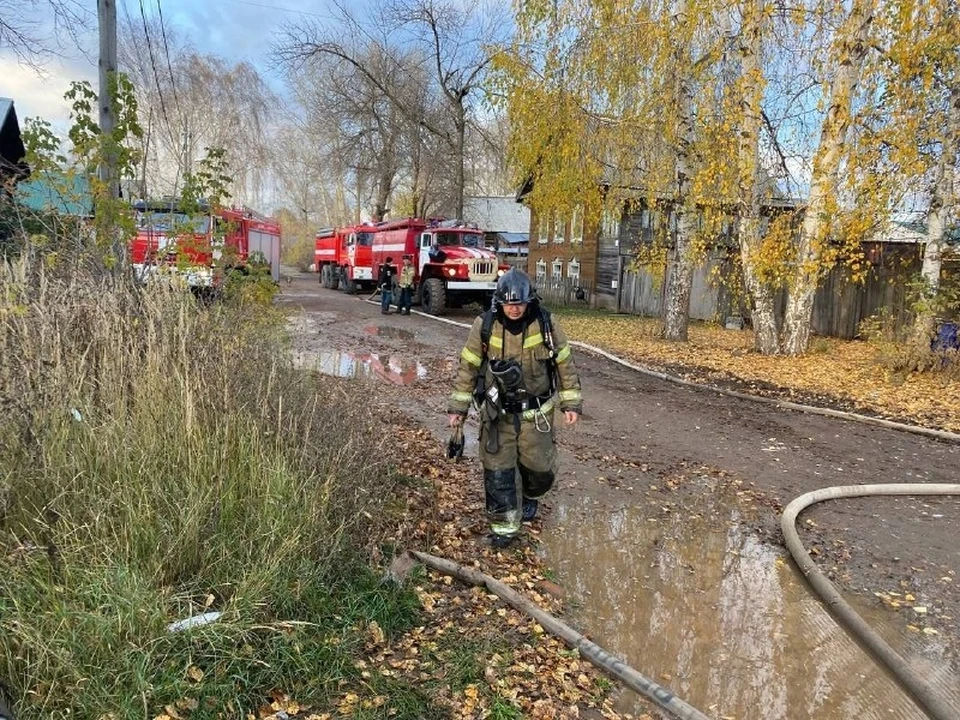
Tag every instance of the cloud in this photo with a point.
(41, 95)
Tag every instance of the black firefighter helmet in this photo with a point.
(514, 288)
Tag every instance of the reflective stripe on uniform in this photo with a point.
(532, 341)
(496, 342)
(471, 357)
(506, 528)
(543, 409)
(570, 395)
(459, 397)
(563, 354)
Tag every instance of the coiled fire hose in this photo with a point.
(915, 686)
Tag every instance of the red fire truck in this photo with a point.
(200, 247)
(343, 258)
(452, 266)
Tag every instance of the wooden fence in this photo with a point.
(562, 293)
(839, 307)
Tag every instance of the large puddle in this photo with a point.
(392, 368)
(694, 601)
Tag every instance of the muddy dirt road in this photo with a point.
(664, 526)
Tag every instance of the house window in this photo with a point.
(610, 223)
(541, 271)
(576, 226)
(544, 236)
(556, 273)
(573, 272)
(560, 231)
(645, 219)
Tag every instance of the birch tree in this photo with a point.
(923, 92)
(943, 202)
(190, 101)
(847, 59)
(620, 96)
(750, 92)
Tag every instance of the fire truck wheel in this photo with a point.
(434, 296)
(334, 277)
(349, 286)
(325, 276)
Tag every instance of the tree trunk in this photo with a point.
(825, 179)
(763, 315)
(766, 329)
(676, 305)
(941, 203)
(415, 163)
(676, 301)
(384, 188)
(460, 122)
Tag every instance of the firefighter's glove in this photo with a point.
(455, 443)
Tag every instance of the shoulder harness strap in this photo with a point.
(546, 330)
(485, 330)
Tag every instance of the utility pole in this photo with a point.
(107, 17)
(107, 22)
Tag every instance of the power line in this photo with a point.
(166, 51)
(153, 64)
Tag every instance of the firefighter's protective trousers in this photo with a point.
(531, 451)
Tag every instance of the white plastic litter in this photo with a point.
(195, 621)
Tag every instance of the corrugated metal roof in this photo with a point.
(493, 213)
(514, 238)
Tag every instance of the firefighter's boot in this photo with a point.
(502, 501)
(530, 507)
(535, 484)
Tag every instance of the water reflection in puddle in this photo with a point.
(388, 331)
(701, 606)
(393, 368)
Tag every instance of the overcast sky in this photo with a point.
(235, 29)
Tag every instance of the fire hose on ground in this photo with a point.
(916, 687)
(588, 650)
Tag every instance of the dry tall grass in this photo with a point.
(160, 458)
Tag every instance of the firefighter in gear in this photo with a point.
(406, 282)
(518, 369)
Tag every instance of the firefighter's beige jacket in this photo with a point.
(529, 348)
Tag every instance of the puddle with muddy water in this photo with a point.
(696, 602)
(392, 368)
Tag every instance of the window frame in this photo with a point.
(541, 273)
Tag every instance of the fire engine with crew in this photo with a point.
(201, 247)
(452, 266)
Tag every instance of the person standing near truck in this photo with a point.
(385, 279)
(405, 282)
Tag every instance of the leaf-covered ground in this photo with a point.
(844, 374)
(473, 656)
